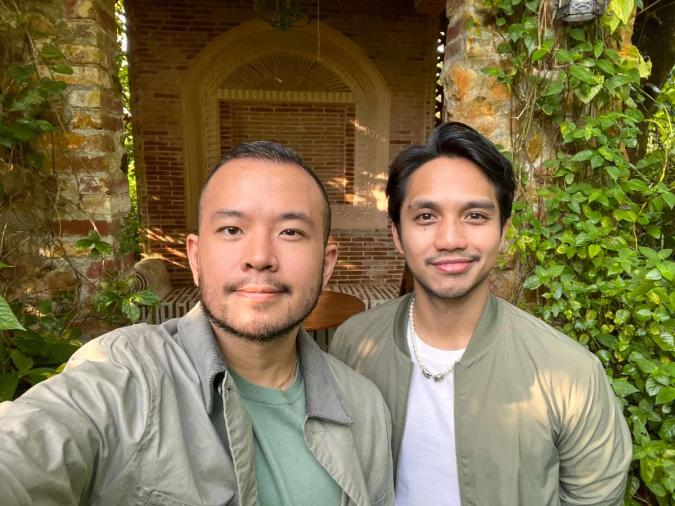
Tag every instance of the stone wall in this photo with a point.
(471, 96)
(83, 155)
(166, 39)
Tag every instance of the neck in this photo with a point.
(448, 324)
(266, 364)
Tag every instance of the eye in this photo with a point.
(231, 231)
(292, 233)
(424, 218)
(474, 216)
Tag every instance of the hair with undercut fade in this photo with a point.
(452, 140)
(271, 152)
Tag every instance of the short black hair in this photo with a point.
(271, 152)
(452, 140)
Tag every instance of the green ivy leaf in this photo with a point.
(623, 388)
(51, 53)
(59, 68)
(665, 341)
(131, 311)
(583, 155)
(7, 319)
(8, 383)
(669, 199)
(666, 395)
(653, 275)
(22, 363)
(593, 250)
(583, 75)
(667, 431)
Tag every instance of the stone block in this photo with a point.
(85, 118)
(80, 8)
(84, 54)
(87, 75)
(86, 96)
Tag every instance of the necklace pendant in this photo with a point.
(427, 374)
(438, 377)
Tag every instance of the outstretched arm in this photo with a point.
(67, 433)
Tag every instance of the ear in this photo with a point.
(192, 245)
(397, 238)
(329, 258)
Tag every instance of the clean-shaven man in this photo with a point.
(233, 404)
(489, 405)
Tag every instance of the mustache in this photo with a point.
(277, 285)
(445, 257)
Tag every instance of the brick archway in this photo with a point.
(253, 40)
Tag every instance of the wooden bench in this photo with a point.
(152, 274)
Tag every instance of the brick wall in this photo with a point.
(323, 134)
(366, 256)
(165, 37)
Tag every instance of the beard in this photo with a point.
(263, 331)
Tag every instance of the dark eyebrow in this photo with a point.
(227, 213)
(296, 215)
(433, 206)
(424, 204)
(289, 216)
(481, 204)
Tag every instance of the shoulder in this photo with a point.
(544, 342)
(383, 313)
(141, 349)
(376, 323)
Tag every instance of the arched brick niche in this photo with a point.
(299, 102)
(252, 73)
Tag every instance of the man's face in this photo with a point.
(450, 233)
(259, 259)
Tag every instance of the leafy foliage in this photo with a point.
(594, 236)
(41, 329)
(35, 349)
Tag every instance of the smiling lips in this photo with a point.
(259, 292)
(453, 265)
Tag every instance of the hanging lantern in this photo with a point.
(577, 11)
(282, 14)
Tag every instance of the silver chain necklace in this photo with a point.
(413, 334)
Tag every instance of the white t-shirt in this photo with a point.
(427, 464)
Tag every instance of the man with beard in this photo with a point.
(233, 403)
(489, 405)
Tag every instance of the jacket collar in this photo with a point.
(322, 399)
(485, 335)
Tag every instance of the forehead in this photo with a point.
(449, 179)
(261, 186)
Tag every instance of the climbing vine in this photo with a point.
(593, 236)
(44, 297)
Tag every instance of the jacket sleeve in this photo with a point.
(594, 443)
(66, 432)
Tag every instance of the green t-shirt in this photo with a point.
(286, 471)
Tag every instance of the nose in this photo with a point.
(259, 253)
(450, 236)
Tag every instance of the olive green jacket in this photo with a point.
(536, 421)
(149, 415)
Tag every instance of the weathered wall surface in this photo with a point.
(471, 96)
(83, 155)
(165, 38)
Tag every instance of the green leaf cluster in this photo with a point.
(34, 346)
(26, 97)
(597, 241)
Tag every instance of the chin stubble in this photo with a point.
(269, 332)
